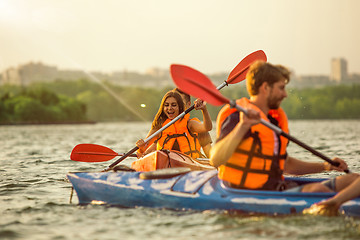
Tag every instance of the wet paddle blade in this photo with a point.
(196, 84)
(92, 153)
(238, 74)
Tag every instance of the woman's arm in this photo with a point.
(144, 147)
(204, 126)
(150, 149)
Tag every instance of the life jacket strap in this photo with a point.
(246, 170)
(191, 152)
(168, 137)
(195, 151)
(260, 155)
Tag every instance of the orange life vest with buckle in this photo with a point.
(254, 165)
(187, 141)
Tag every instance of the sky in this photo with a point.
(209, 35)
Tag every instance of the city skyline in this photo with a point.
(210, 36)
(40, 72)
(152, 70)
(155, 70)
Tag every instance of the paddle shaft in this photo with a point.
(222, 85)
(105, 154)
(279, 131)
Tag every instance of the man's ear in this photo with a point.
(264, 87)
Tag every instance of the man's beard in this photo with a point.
(273, 103)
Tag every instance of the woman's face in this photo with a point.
(171, 108)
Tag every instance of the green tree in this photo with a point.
(72, 109)
(348, 108)
(45, 96)
(28, 109)
(3, 113)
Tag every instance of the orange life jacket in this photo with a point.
(188, 142)
(197, 140)
(254, 165)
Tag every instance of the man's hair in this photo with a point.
(185, 95)
(261, 72)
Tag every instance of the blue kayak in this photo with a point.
(182, 189)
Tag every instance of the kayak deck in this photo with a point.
(161, 159)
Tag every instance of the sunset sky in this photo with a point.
(211, 36)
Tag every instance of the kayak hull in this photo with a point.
(195, 190)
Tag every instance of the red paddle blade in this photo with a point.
(92, 153)
(196, 84)
(238, 74)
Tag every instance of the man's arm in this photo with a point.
(223, 149)
(295, 166)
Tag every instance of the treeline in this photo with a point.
(38, 105)
(76, 101)
(82, 100)
(331, 102)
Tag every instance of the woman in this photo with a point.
(204, 138)
(175, 137)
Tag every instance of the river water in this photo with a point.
(35, 194)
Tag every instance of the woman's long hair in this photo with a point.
(160, 116)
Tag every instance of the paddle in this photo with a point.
(237, 74)
(87, 152)
(198, 85)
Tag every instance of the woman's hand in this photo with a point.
(140, 144)
(199, 104)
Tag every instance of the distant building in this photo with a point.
(37, 72)
(156, 77)
(354, 78)
(11, 76)
(157, 72)
(309, 81)
(152, 78)
(28, 73)
(338, 70)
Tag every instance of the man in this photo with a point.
(203, 138)
(251, 156)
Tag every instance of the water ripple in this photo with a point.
(35, 194)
